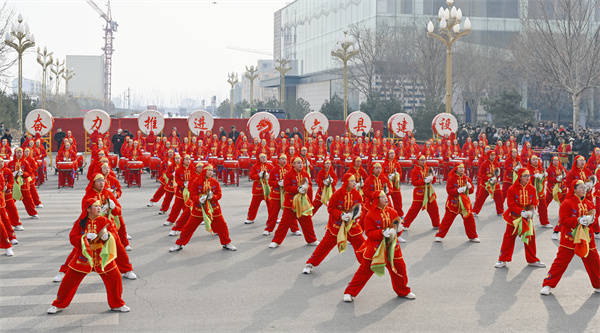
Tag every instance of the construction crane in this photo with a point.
(110, 28)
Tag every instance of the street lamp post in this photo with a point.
(57, 69)
(345, 53)
(67, 76)
(20, 39)
(449, 31)
(45, 60)
(282, 68)
(251, 75)
(232, 79)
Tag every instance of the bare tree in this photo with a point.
(560, 44)
(6, 63)
(429, 61)
(363, 69)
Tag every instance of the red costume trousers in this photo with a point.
(158, 194)
(469, 222)
(328, 242)
(505, 186)
(274, 208)
(13, 214)
(563, 258)
(317, 203)
(508, 246)
(122, 231)
(288, 218)
(167, 201)
(415, 208)
(4, 238)
(34, 194)
(182, 220)
(254, 205)
(364, 273)
(70, 283)
(5, 222)
(543, 211)
(397, 202)
(218, 226)
(178, 205)
(28, 202)
(482, 194)
(66, 178)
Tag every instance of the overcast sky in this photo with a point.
(171, 48)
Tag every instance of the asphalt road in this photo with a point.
(204, 288)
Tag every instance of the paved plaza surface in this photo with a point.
(204, 288)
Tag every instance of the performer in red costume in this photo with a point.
(21, 172)
(326, 181)
(381, 227)
(488, 179)
(344, 210)
(91, 235)
(182, 177)
(393, 171)
(522, 200)
(512, 164)
(576, 214)
(7, 234)
(205, 193)
(459, 186)
(538, 180)
(11, 208)
(297, 206)
(423, 195)
(162, 178)
(259, 174)
(276, 197)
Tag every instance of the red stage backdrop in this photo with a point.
(75, 125)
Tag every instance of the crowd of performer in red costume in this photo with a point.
(358, 182)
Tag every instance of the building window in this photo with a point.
(406, 6)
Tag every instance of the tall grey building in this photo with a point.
(306, 31)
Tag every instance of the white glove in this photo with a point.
(203, 199)
(428, 179)
(104, 209)
(530, 214)
(307, 164)
(302, 190)
(261, 174)
(210, 195)
(524, 214)
(111, 204)
(185, 184)
(469, 186)
(327, 181)
(266, 175)
(462, 189)
(346, 217)
(91, 235)
(545, 174)
(559, 178)
(104, 237)
(280, 183)
(517, 168)
(15, 173)
(388, 232)
(391, 176)
(493, 180)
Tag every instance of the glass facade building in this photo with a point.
(306, 31)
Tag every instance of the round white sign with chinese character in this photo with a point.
(315, 122)
(358, 123)
(39, 121)
(96, 120)
(263, 123)
(200, 122)
(151, 120)
(401, 124)
(445, 124)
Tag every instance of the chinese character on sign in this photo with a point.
(360, 125)
(402, 125)
(38, 125)
(200, 124)
(150, 123)
(315, 125)
(445, 124)
(97, 123)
